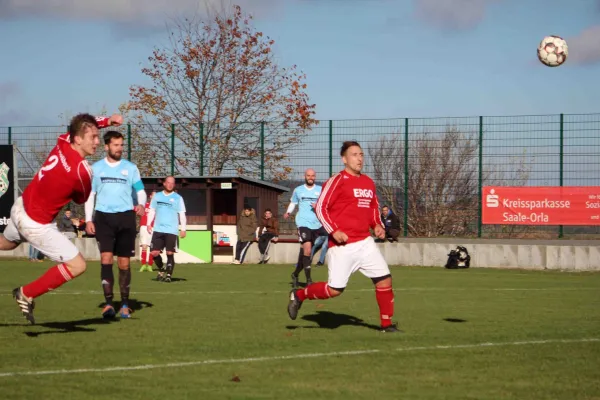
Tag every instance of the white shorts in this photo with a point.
(145, 237)
(44, 237)
(363, 256)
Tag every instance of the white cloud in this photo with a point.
(452, 14)
(137, 12)
(585, 47)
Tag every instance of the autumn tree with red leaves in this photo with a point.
(219, 83)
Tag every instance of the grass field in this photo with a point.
(222, 332)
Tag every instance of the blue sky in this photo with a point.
(363, 58)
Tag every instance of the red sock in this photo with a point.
(150, 259)
(385, 300)
(53, 278)
(143, 257)
(318, 290)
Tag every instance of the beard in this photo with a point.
(115, 156)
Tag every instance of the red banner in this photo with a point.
(541, 205)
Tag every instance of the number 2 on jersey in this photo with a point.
(52, 161)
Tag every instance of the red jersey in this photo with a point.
(349, 204)
(64, 176)
(144, 219)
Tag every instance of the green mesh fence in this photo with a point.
(428, 170)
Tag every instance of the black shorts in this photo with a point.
(307, 234)
(116, 233)
(166, 241)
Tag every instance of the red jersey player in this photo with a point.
(146, 237)
(348, 208)
(64, 176)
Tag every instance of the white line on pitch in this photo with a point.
(288, 357)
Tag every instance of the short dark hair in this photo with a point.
(110, 135)
(79, 124)
(346, 145)
(268, 210)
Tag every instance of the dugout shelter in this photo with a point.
(213, 205)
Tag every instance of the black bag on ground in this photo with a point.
(458, 258)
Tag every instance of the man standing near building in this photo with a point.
(146, 238)
(305, 196)
(246, 229)
(114, 183)
(166, 214)
(267, 233)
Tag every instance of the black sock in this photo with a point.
(170, 263)
(124, 283)
(306, 264)
(108, 280)
(159, 262)
(299, 263)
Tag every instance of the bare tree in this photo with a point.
(442, 180)
(219, 83)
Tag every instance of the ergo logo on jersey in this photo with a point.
(4, 221)
(364, 193)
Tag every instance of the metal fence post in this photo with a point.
(330, 147)
(405, 177)
(201, 147)
(562, 147)
(10, 135)
(262, 151)
(173, 149)
(129, 142)
(479, 223)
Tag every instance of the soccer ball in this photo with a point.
(553, 51)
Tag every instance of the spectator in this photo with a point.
(67, 226)
(246, 228)
(267, 233)
(391, 223)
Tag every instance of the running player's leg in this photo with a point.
(341, 264)
(125, 249)
(106, 232)
(158, 243)
(55, 246)
(374, 266)
(306, 239)
(170, 245)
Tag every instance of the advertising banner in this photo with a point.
(541, 205)
(7, 184)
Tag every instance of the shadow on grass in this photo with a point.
(84, 325)
(455, 320)
(331, 320)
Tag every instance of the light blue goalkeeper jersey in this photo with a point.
(167, 208)
(115, 185)
(305, 198)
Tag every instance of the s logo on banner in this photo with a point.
(4, 183)
(491, 200)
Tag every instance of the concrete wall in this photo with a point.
(574, 255)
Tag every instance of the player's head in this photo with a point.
(352, 156)
(169, 184)
(268, 213)
(83, 134)
(113, 144)
(310, 176)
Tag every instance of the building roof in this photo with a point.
(226, 178)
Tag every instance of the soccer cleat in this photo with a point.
(25, 305)
(391, 329)
(108, 312)
(168, 278)
(320, 264)
(125, 311)
(294, 281)
(161, 276)
(294, 305)
(266, 258)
